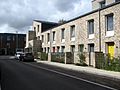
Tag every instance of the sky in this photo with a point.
(18, 15)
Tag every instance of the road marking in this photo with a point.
(74, 77)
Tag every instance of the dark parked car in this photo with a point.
(27, 57)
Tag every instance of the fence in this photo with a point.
(42, 56)
(58, 57)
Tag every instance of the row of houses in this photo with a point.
(96, 31)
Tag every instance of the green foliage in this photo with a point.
(43, 56)
(82, 59)
(58, 57)
(112, 64)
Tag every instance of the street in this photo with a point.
(17, 75)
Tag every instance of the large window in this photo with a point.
(109, 22)
(53, 36)
(63, 33)
(48, 37)
(72, 29)
(91, 26)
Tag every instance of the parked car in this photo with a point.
(17, 55)
(26, 57)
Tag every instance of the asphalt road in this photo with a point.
(17, 75)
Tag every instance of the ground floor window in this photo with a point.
(58, 48)
(63, 49)
(53, 49)
(90, 47)
(81, 47)
(72, 48)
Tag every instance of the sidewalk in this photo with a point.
(110, 74)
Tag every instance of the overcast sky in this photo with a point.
(17, 15)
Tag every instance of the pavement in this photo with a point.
(109, 74)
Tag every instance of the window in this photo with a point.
(117, 0)
(53, 36)
(44, 49)
(48, 37)
(109, 22)
(63, 49)
(8, 45)
(58, 48)
(38, 38)
(42, 38)
(72, 48)
(102, 4)
(34, 28)
(13, 38)
(48, 49)
(53, 49)
(63, 33)
(72, 29)
(91, 47)
(91, 26)
(38, 27)
(81, 47)
(8, 38)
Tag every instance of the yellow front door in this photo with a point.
(111, 50)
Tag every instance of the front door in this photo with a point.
(111, 49)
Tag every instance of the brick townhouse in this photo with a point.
(96, 31)
(10, 43)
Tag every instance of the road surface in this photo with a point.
(17, 75)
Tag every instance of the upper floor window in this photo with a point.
(102, 4)
(91, 26)
(109, 22)
(48, 37)
(38, 27)
(34, 28)
(54, 36)
(42, 38)
(8, 38)
(72, 29)
(8, 45)
(63, 33)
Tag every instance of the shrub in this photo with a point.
(82, 59)
(112, 64)
(43, 56)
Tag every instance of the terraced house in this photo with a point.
(96, 31)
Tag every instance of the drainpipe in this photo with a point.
(99, 32)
